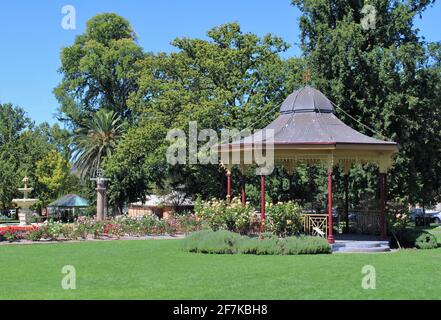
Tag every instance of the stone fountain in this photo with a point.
(24, 213)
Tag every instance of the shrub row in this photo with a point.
(226, 242)
(412, 238)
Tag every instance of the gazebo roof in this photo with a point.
(307, 129)
(306, 117)
(69, 201)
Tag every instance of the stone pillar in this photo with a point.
(100, 199)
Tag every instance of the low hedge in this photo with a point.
(226, 242)
(411, 238)
(208, 241)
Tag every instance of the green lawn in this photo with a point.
(158, 269)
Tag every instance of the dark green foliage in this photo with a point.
(412, 238)
(98, 70)
(22, 146)
(386, 77)
(426, 240)
(225, 242)
(232, 79)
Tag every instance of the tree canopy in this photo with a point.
(98, 70)
(232, 80)
(26, 149)
(384, 75)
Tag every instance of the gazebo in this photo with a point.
(307, 131)
(68, 203)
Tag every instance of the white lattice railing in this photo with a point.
(312, 223)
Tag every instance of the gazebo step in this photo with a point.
(361, 246)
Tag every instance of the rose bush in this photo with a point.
(14, 233)
(227, 215)
(284, 219)
(398, 215)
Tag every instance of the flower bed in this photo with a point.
(15, 233)
(86, 228)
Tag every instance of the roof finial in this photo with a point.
(307, 77)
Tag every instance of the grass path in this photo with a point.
(158, 269)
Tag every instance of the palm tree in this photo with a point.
(95, 140)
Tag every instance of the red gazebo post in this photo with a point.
(243, 189)
(383, 227)
(229, 184)
(330, 235)
(346, 204)
(262, 206)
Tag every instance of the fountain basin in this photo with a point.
(25, 203)
(24, 213)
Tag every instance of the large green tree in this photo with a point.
(23, 146)
(372, 63)
(98, 70)
(13, 124)
(232, 80)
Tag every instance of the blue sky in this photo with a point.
(31, 35)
